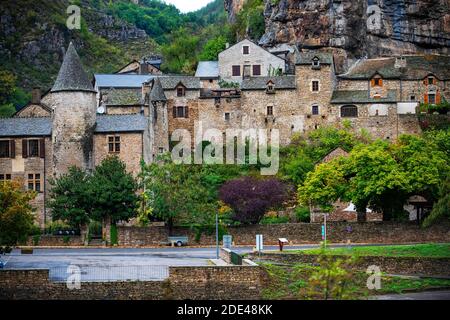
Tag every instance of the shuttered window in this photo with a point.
(33, 148)
(5, 149)
(181, 112)
(349, 111)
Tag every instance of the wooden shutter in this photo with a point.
(372, 82)
(24, 148)
(42, 148)
(425, 98)
(186, 112)
(380, 82)
(12, 149)
(174, 109)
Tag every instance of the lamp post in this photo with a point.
(217, 235)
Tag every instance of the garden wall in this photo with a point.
(199, 283)
(297, 233)
(390, 265)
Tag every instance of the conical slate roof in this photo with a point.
(71, 76)
(157, 93)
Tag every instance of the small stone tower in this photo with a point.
(159, 120)
(73, 117)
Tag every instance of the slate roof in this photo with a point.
(306, 58)
(121, 80)
(171, 82)
(361, 96)
(71, 76)
(25, 127)
(121, 123)
(260, 83)
(417, 68)
(207, 69)
(157, 93)
(124, 97)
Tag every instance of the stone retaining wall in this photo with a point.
(391, 265)
(297, 233)
(228, 283)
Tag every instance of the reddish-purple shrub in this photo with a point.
(250, 198)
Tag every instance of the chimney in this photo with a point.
(143, 68)
(36, 95)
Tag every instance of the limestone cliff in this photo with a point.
(358, 27)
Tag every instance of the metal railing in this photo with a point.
(109, 273)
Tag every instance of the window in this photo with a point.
(247, 71)
(161, 150)
(270, 87)
(377, 81)
(349, 111)
(316, 62)
(315, 86)
(217, 100)
(270, 110)
(114, 144)
(5, 149)
(412, 98)
(257, 70)
(246, 50)
(180, 112)
(430, 80)
(181, 92)
(431, 98)
(227, 116)
(33, 148)
(34, 182)
(315, 109)
(236, 71)
(5, 177)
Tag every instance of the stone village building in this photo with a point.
(133, 112)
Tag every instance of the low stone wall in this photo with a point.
(297, 233)
(228, 283)
(392, 265)
(59, 241)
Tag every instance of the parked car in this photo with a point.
(177, 241)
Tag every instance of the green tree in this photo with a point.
(212, 49)
(180, 52)
(69, 198)
(178, 193)
(112, 191)
(16, 213)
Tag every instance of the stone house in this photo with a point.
(133, 114)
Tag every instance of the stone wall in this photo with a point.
(56, 241)
(198, 283)
(390, 265)
(297, 233)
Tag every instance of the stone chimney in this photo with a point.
(36, 95)
(400, 63)
(143, 67)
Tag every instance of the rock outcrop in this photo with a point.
(358, 27)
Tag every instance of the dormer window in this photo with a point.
(377, 81)
(430, 80)
(270, 87)
(316, 62)
(181, 91)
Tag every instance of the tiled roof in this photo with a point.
(260, 83)
(207, 69)
(361, 96)
(71, 76)
(171, 82)
(307, 57)
(157, 93)
(25, 127)
(121, 80)
(416, 68)
(121, 123)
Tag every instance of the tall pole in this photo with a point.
(217, 235)
(325, 231)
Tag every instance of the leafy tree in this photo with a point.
(16, 213)
(212, 49)
(441, 208)
(180, 53)
(250, 20)
(250, 198)
(179, 193)
(69, 198)
(112, 191)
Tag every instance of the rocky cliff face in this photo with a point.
(358, 27)
(232, 7)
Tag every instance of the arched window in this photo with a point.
(349, 111)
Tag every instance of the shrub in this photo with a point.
(303, 214)
(250, 198)
(66, 239)
(36, 239)
(114, 239)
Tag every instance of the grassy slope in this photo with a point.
(431, 250)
